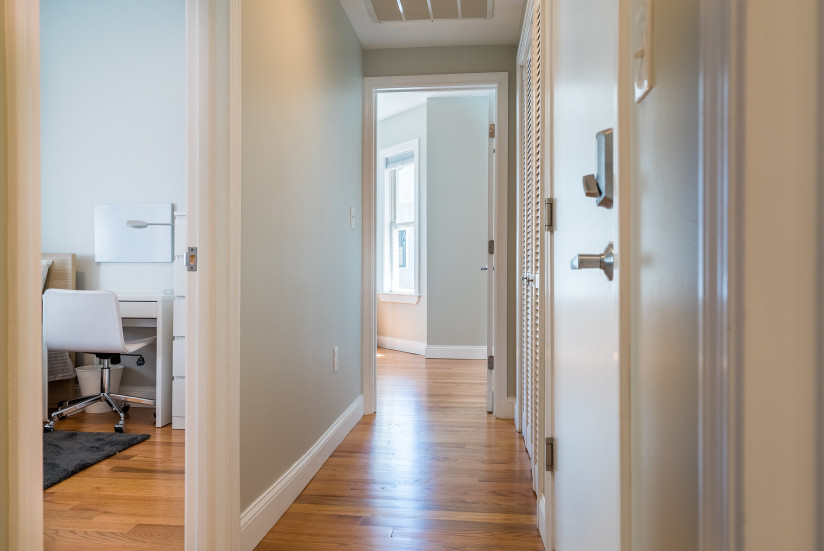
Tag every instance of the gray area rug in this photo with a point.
(66, 453)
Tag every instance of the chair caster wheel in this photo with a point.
(125, 407)
(118, 428)
(48, 429)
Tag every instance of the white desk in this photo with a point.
(146, 310)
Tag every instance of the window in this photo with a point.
(400, 218)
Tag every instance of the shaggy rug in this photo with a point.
(66, 453)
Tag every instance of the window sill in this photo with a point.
(400, 298)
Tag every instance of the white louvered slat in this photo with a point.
(531, 238)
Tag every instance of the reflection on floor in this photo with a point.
(132, 501)
(430, 471)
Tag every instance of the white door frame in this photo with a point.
(720, 370)
(371, 87)
(213, 292)
(723, 190)
(212, 449)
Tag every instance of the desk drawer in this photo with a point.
(130, 309)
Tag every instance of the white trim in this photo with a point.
(399, 298)
(542, 520)
(213, 224)
(456, 352)
(384, 239)
(509, 412)
(261, 516)
(402, 345)
(720, 235)
(525, 40)
(372, 85)
(23, 288)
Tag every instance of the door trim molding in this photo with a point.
(211, 459)
(22, 227)
(213, 340)
(371, 86)
(721, 241)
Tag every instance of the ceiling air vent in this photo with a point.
(383, 11)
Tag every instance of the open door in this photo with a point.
(490, 265)
(587, 367)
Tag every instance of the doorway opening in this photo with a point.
(435, 223)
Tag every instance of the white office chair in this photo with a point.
(89, 321)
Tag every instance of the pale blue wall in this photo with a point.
(457, 204)
(113, 124)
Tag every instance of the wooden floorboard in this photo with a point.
(430, 471)
(132, 501)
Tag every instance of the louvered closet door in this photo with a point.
(531, 242)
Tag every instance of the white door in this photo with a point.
(531, 239)
(490, 266)
(585, 338)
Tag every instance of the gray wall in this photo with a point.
(5, 445)
(466, 59)
(113, 124)
(664, 289)
(458, 178)
(301, 270)
(395, 320)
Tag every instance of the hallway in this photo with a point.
(430, 471)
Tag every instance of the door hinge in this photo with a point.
(491, 246)
(490, 363)
(550, 454)
(550, 214)
(191, 259)
(491, 130)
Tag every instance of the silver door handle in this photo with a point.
(605, 261)
(484, 268)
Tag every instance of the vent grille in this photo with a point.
(386, 11)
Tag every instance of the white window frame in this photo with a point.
(384, 234)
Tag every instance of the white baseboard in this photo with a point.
(261, 516)
(509, 413)
(542, 527)
(456, 352)
(402, 345)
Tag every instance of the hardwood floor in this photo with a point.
(430, 471)
(132, 501)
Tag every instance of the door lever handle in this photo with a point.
(605, 261)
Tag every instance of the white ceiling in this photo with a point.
(502, 29)
(392, 103)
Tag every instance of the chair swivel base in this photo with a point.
(78, 404)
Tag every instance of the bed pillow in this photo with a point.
(44, 271)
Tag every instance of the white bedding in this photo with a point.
(60, 365)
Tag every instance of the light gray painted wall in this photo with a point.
(5, 444)
(302, 94)
(466, 59)
(407, 321)
(457, 203)
(113, 124)
(664, 289)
